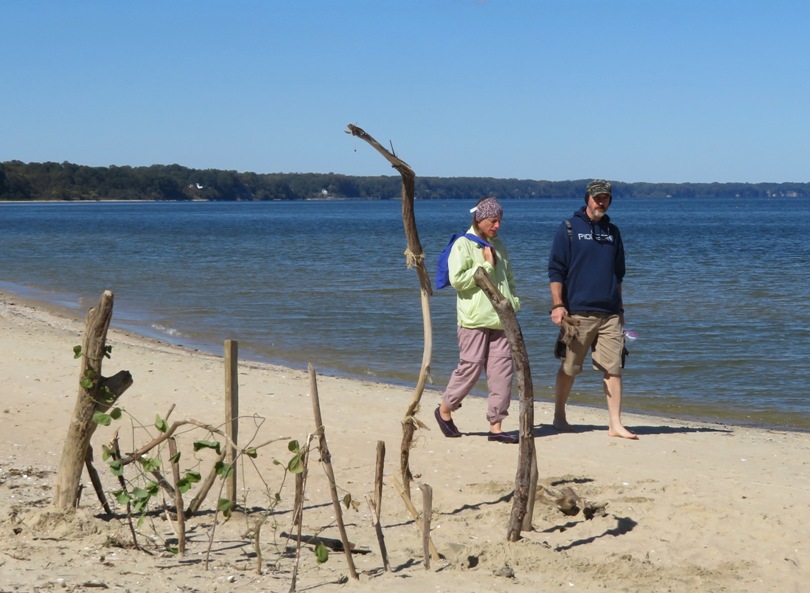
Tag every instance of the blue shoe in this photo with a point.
(502, 437)
(447, 427)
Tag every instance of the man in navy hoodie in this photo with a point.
(585, 271)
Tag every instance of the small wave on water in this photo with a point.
(167, 331)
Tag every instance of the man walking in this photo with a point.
(585, 269)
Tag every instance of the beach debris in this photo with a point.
(331, 543)
(505, 571)
(569, 503)
(568, 330)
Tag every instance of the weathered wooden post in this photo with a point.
(326, 459)
(427, 511)
(178, 498)
(232, 412)
(96, 394)
(527, 461)
(375, 503)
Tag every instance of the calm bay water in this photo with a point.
(716, 289)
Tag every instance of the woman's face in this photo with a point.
(489, 226)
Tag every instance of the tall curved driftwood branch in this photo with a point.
(526, 475)
(414, 258)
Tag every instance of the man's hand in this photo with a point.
(558, 313)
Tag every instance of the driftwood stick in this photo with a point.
(205, 487)
(415, 514)
(527, 518)
(329, 542)
(298, 511)
(178, 498)
(379, 468)
(427, 511)
(231, 414)
(526, 452)
(96, 393)
(326, 458)
(298, 504)
(375, 522)
(257, 543)
(415, 258)
(163, 482)
(96, 480)
(116, 455)
(410, 422)
(376, 507)
(166, 435)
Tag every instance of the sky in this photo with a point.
(629, 90)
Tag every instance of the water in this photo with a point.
(716, 290)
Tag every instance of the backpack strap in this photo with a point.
(478, 240)
(442, 269)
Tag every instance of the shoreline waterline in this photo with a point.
(34, 302)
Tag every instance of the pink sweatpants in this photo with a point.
(480, 350)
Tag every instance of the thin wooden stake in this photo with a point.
(427, 511)
(231, 412)
(178, 498)
(378, 476)
(204, 488)
(376, 508)
(527, 518)
(116, 455)
(415, 514)
(326, 458)
(96, 480)
(298, 510)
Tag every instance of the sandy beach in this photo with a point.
(692, 507)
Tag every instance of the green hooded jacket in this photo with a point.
(473, 307)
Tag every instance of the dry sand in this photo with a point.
(692, 507)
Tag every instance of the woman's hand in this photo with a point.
(489, 255)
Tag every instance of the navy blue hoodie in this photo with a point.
(590, 264)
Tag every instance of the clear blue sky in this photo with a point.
(630, 90)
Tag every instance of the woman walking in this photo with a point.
(482, 342)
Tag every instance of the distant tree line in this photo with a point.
(67, 181)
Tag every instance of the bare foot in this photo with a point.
(622, 433)
(563, 426)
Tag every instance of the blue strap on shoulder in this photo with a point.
(478, 240)
(442, 270)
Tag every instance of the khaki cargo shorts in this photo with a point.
(603, 334)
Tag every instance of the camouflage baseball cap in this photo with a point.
(600, 186)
